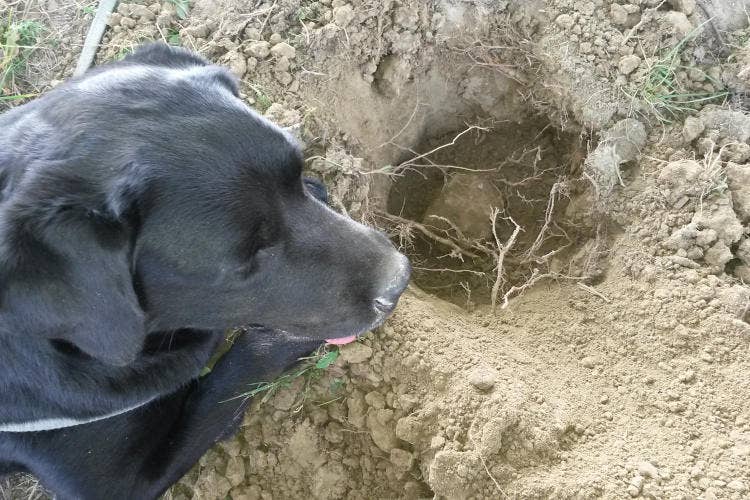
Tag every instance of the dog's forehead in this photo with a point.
(194, 103)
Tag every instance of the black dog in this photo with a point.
(144, 209)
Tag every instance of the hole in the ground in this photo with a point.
(446, 196)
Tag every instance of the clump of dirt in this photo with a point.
(614, 134)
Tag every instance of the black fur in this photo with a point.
(144, 210)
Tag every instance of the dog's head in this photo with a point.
(146, 196)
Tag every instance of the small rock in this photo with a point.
(737, 486)
(687, 377)
(589, 362)
(283, 49)
(283, 116)
(252, 34)
(692, 128)
(284, 77)
(635, 486)
(731, 125)
(565, 21)
(142, 12)
(628, 64)
(235, 470)
(647, 469)
(333, 433)
(127, 22)
(402, 459)
(437, 442)
(252, 63)
(259, 49)
(356, 352)
(710, 494)
(114, 19)
(687, 7)
(282, 64)
(738, 177)
(695, 253)
(375, 399)
(382, 430)
(275, 38)
(197, 31)
(680, 22)
(237, 64)
(618, 14)
(343, 15)
(483, 377)
(718, 255)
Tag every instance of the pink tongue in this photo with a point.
(342, 340)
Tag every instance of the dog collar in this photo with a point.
(51, 424)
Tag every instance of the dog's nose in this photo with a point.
(388, 298)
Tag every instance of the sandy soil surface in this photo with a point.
(571, 181)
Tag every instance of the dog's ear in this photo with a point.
(65, 275)
(167, 56)
(163, 55)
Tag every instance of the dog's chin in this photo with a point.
(334, 337)
(348, 339)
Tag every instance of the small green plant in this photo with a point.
(89, 9)
(124, 51)
(262, 101)
(664, 93)
(181, 7)
(312, 368)
(307, 13)
(18, 40)
(173, 36)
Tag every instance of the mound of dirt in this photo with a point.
(570, 179)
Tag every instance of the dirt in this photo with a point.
(614, 361)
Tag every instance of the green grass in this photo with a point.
(311, 369)
(308, 13)
(182, 7)
(89, 9)
(124, 51)
(18, 40)
(663, 92)
(173, 36)
(16, 97)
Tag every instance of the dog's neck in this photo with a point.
(51, 424)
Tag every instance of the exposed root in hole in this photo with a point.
(502, 250)
(482, 211)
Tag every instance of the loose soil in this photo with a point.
(613, 361)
